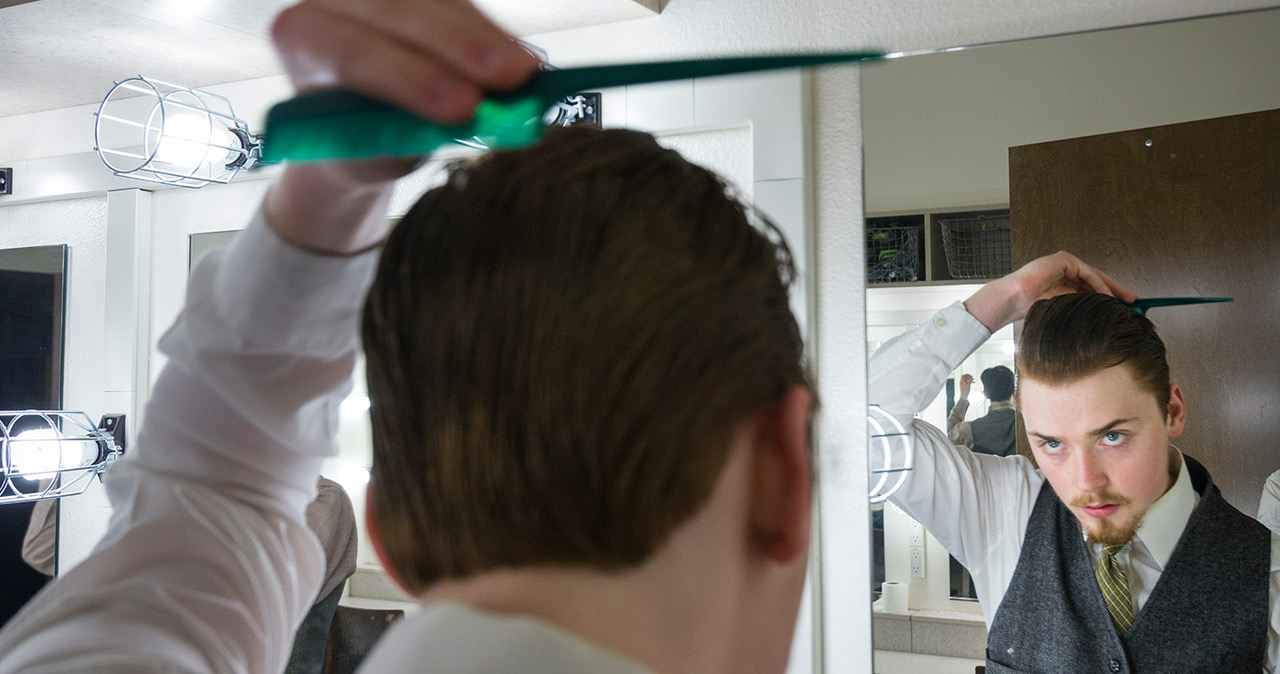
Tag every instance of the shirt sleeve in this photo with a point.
(958, 430)
(1269, 503)
(976, 505)
(207, 564)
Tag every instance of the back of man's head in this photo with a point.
(997, 383)
(560, 342)
(1069, 337)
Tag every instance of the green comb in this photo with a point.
(1142, 305)
(340, 124)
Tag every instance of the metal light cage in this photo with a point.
(70, 449)
(137, 134)
(893, 443)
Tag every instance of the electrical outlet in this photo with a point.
(6, 181)
(917, 562)
(916, 534)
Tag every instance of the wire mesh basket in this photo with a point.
(893, 254)
(976, 247)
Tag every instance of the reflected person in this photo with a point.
(1118, 554)
(996, 432)
(333, 520)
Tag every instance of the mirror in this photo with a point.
(937, 132)
(355, 445)
(32, 304)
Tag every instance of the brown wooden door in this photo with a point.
(1184, 209)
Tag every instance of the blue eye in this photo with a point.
(1052, 445)
(1113, 438)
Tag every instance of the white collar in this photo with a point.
(1165, 520)
(455, 637)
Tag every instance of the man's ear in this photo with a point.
(782, 477)
(375, 537)
(1177, 417)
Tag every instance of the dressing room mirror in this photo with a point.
(350, 468)
(938, 130)
(32, 305)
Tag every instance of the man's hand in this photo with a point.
(966, 382)
(436, 58)
(1007, 299)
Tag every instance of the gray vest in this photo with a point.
(1207, 613)
(996, 433)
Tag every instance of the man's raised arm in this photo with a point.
(964, 499)
(207, 564)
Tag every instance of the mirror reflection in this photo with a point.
(32, 300)
(1057, 144)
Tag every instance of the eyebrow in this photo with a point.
(1100, 431)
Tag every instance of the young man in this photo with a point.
(996, 431)
(589, 402)
(1118, 554)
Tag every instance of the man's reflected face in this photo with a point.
(1103, 444)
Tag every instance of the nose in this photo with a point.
(1089, 472)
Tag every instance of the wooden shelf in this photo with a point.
(931, 259)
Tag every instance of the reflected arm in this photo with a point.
(975, 505)
(960, 431)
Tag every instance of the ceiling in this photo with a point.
(64, 53)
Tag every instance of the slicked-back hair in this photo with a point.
(561, 341)
(1072, 336)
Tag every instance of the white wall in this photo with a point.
(938, 127)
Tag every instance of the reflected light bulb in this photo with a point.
(190, 140)
(1009, 348)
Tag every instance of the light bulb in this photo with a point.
(190, 140)
(39, 453)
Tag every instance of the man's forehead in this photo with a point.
(1091, 402)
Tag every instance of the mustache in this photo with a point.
(1083, 500)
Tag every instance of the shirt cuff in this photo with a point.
(953, 334)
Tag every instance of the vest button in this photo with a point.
(1114, 666)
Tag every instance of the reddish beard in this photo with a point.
(1111, 530)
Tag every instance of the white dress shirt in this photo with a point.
(208, 564)
(1269, 502)
(457, 639)
(978, 505)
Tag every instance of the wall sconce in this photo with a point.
(893, 443)
(160, 132)
(51, 454)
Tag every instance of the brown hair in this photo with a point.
(560, 341)
(1072, 336)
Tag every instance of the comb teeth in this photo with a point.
(1147, 303)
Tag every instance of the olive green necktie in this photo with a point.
(1113, 580)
